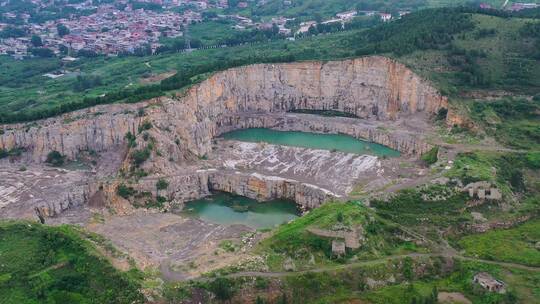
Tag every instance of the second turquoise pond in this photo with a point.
(227, 209)
(337, 142)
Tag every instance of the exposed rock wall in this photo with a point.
(370, 87)
(253, 185)
(77, 196)
(100, 129)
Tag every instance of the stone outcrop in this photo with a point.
(99, 129)
(253, 185)
(77, 196)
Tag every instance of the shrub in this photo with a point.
(430, 157)
(55, 158)
(146, 136)
(140, 156)
(85, 82)
(441, 114)
(340, 217)
(12, 152)
(146, 125)
(125, 191)
(533, 160)
(140, 112)
(162, 184)
(222, 288)
(131, 140)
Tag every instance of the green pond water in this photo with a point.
(338, 142)
(227, 209)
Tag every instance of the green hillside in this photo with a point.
(40, 264)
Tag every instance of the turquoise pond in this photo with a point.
(227, 209)
(337, 142)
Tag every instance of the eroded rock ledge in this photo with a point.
(378, 90)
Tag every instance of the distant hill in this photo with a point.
(305, 9)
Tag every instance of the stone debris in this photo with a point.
(288, 264)
(40, 191)
(478, 217)
(332, 170)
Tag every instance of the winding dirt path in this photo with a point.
(375, 262)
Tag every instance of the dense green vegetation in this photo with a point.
(431, 156)
(41, 264)
(513, 122)
(517, 245)
(506, 170)
(459, 281)
(349, 285)
(434, 205)
(446, 54)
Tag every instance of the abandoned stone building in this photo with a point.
(338, 248)
(488, 282)
(483, 190)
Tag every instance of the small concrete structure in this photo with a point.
(338, 248)
(352, 239)
(482, 191)
(489, 283)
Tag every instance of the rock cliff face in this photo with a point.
(375, 89)
(99, 129)
(253, 185)
(371, 88)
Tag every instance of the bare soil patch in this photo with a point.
(452, 298)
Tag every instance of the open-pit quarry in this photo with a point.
(181, 135)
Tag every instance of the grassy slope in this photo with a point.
(512, 245)
(40, 264)
(505, 50)
(293, 240)
(212, 32)
(522, 285)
